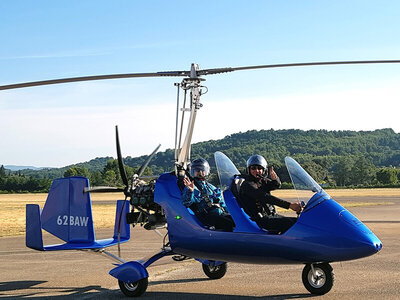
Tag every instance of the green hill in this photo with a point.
(381, 147)
(344, 158)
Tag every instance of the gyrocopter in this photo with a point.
(325, 232)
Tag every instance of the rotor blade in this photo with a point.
(186, 73)
(91, 78)
(120, 161)
(102, 189)
(224, 70)
(141, 170)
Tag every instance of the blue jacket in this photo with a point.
(199, 204)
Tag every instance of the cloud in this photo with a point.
(58, 136)
(366, 109)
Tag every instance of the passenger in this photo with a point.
(205, 199)
(257, 201)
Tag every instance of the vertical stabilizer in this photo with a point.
(67, 213)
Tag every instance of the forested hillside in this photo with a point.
(336, 158)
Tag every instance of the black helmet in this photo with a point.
(256, 160)
(200, 164)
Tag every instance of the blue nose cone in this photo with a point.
(359, 234)
(334, 233)
(371, 243)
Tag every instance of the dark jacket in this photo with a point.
(255, 197)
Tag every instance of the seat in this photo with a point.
(241, 218)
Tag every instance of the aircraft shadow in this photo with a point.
(197, 296)
(178, 281)
(18, 285)
(29, 289)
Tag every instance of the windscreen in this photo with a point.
(226, 170)
(308, 191)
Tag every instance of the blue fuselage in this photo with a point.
(325, 233)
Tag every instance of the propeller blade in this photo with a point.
(224, 70)
(143, 167)
(102, 189)
(91, 78)
(120, 161)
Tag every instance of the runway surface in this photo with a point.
(26, 273)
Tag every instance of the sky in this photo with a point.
(59, 125)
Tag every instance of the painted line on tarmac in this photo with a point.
(381, 221)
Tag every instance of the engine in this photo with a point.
(144, 210)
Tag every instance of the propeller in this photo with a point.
(135, 180)
(120, 160)
(143, 167)
(129, 188)
(193, 73)
(136, 177)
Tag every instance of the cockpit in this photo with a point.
(309, 192)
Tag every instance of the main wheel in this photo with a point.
(321, 282)
(215, 272)
(134, 289)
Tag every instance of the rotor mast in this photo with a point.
(192, 85)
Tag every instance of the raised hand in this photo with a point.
(272, 173)
(189, 184)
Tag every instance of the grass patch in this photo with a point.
(12, 206)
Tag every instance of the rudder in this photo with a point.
(67, 213)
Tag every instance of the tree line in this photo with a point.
(333, 158)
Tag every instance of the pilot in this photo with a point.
(205, 199)
(257, 201)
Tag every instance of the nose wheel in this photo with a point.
(318, 278)
(215, 272)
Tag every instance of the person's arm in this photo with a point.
(273, 182)
(219, 199)
(271, 185)
(188, 195)
(277, 201)
(284, 204)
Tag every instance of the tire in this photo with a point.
(324, 281)
(134, 289)
(215, 272)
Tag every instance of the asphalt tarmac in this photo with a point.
(26, 273)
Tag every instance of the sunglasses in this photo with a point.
(256, 168)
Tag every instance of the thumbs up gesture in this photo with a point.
(272, 173)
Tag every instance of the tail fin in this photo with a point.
(67, 214)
